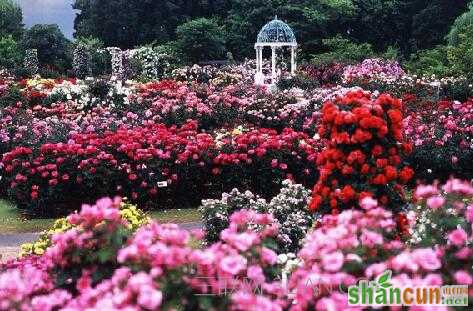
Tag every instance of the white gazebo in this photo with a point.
(275, 34)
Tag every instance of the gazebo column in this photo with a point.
(259, 77)
(293, 60)
(260, 53)
(257, 59)
(273, 64)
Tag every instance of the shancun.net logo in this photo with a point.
(381, 292)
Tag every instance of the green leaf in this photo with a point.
(385, 277)
(104, 254)
(386, 285)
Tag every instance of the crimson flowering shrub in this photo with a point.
(154, 163)
(89, 106)
(363, 153)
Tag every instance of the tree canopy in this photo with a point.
(11, 19)
(409, 25)
(50, 42)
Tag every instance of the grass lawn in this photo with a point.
(11, 221)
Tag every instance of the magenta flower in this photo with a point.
(458, 237)
(233, 264)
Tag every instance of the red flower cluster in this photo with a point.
(144, 162)
(363, 156)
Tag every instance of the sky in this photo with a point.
(49, 12)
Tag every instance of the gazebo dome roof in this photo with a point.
(276, 31)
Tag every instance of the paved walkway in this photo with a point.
(10, 243)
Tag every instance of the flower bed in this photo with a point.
(100, 264)
(155, 162)
(289, 209)
(443, 140)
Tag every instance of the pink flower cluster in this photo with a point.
(154, 267)
(157, 266)
(30, 288)
(373, 68)
(362, 244)
(442, 124)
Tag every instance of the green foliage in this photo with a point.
(52, 46)
(10, 53)
(311, 21)
(410, 25)
(382, 23)
(342, 50)
(11, 96)
(200, 40)
(11, 18)
(432, 21)
(125, 23)
(460, 50)
(429, 62)
(100, 59)
(392, 53)
(455, 58)
(297, 81)
(462, 25)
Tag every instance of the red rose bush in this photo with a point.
(363, 155)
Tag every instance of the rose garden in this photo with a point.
(307, 179)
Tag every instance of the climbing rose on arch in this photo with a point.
(363, 157)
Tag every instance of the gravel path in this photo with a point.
(10, 243)
(14, 240)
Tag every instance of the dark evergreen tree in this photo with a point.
(11, 18)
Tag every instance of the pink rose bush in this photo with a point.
(372, 69)
(100, 265)
(442, 135)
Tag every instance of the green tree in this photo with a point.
(460, 49)
(127, 23)
(461, 25)
(410, 25)
(200, 39)
(342, 50)
(11, 18)
(311, 21)
(100, 59)
(430, 62)
(52, 46)
(10, 53)
(432, 23)
(383, 23)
